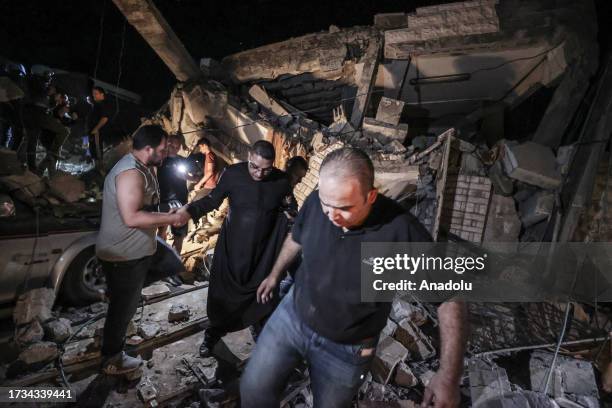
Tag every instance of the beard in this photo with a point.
(155, 160)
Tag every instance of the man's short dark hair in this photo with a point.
(350, 162)
(99, 89)
(296, 162)
(149, 135)
(264, 149)
(204, 141)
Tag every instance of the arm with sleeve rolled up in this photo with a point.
(287, 254)
(443, 388)
(130, 196)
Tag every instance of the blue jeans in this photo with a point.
(336, 370)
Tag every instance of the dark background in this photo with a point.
(65, 33)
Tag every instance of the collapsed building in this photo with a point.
(488, 120)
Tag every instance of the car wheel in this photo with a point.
(84, 280)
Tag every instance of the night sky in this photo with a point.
(65, 33)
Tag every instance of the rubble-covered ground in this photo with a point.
(488, 120)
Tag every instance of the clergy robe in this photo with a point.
(250, 239)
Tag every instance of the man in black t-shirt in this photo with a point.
(322, 320)
(173, 176)
(99, 123)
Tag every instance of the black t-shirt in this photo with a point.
(103, 109)
(328, 283)
(172, 183)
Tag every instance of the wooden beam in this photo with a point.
(148, 21)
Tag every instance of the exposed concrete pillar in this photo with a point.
(365, 83)
(148, 21)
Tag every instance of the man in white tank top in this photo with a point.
(126, 244)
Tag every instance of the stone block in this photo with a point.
(389, 354)
(148, 330)
(389, 111)
(34, 304)
(411, 337)
(531, 163)
(66, 187)
(404, 376)
(28, 334)
(41, 352)
(384, 132)
(178, 313)
(58, 330)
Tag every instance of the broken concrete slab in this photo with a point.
(571, 378)
(411, 337)
(154, 291)
(394, 147)
(178, 313)
(536, 208)
(389, 111)
(503, 223)
(388, 21)
(389, 354)
(262, 97)
(487, 381)
(394, 178)
(66, 187)
(58, 330)
(10, 163)
(531, 163)
(28, 334)
(34, 304)
(384, 132)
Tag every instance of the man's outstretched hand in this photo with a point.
(181, 217)
(441, 393)
(266, 289)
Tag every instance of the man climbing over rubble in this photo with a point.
(322, 320)
(126, 244)
(248, 243)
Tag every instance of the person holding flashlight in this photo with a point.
(173, 175)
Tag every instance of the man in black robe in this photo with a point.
(248, 243)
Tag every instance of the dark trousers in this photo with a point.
(125, 281)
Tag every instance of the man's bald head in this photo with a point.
(349, 162)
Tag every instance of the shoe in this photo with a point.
(206, 349)
(209, 342)
(121, 364)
